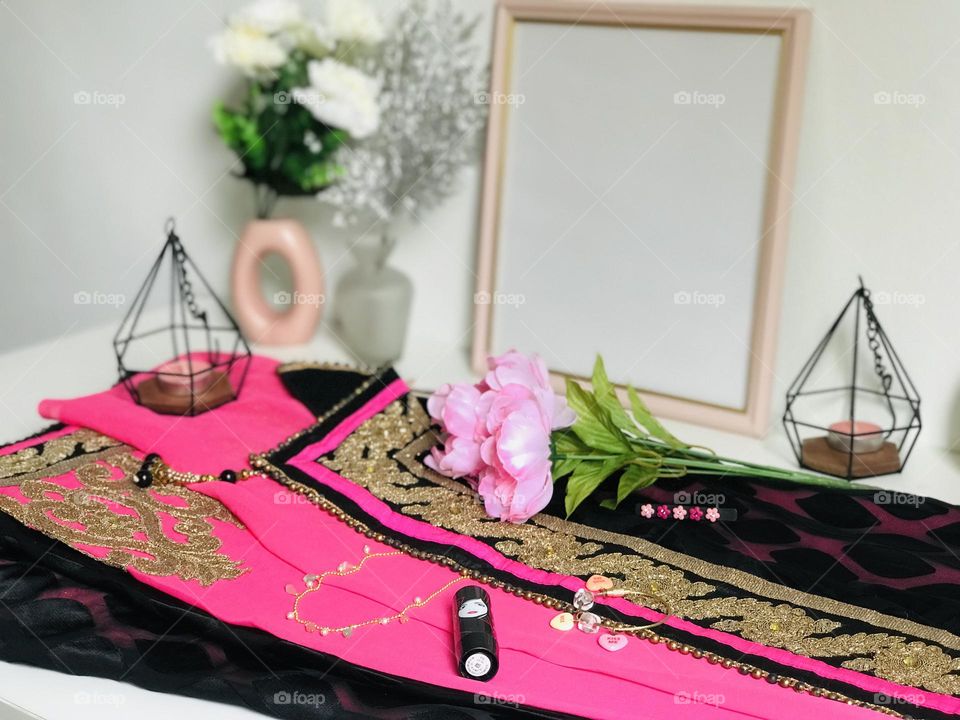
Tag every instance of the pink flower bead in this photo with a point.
(713, 514)
(646, 510)
(679, 512)
(696, 514)
(663, 512)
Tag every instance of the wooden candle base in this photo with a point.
(818, 455)
(153, 396)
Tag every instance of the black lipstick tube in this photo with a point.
(475, 640)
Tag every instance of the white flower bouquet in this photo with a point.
(304, 97)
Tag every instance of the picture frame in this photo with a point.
(514, 202)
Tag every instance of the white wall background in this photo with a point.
(85, 188)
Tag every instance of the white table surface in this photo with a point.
(83, 362)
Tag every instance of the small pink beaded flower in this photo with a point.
(696, 514)
(679, 512)
(646, 510)
(713, 514)
(663, 512)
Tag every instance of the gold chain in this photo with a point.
(314, 582)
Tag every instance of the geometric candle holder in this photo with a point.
(853, 410)
(172, 355)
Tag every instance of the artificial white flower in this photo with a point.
(269, 16)
(353, 21)
(248, 49)
(342, 97)
(313, 38)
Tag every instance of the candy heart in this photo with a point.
(598, 583)
(563, 622)
(612, 642)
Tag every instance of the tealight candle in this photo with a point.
(858, 437)
(174, 377)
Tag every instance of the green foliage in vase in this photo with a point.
(279, 143)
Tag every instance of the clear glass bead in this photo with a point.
(583, 599)
(588, 622)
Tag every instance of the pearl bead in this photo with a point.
(291, 615)
(366, 549)
(417, 600)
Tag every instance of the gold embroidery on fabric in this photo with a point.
(32, 459)
(138, 527)
(382, 456)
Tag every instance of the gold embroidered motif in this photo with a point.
(382, 456)
(915, 664)
(139, 528)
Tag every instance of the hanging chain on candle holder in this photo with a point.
(873, 342)
(186, 288)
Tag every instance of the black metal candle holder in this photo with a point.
(854, 451)
(170, 352)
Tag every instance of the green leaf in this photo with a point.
(606, 396)
(587, 478)
(562, 468)
(648, 422)
(635, 477)
(566, 442)
(594, 425)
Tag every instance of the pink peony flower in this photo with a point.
(497, 435)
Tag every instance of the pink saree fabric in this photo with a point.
(264, 415)
(285, 537)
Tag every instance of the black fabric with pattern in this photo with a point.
(894, 553)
